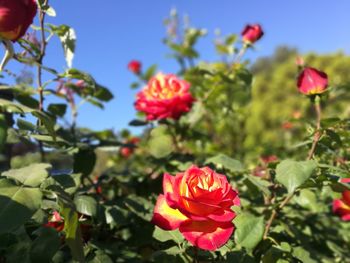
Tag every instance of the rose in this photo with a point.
(252, 33)
(135, 66)
(165, 96)
(15, 17)
(198, 202)
(57, 222)
(341, 206)
(312, 81)
(127, 151)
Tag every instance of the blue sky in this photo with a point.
(112, 32)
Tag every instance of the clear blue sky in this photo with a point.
(112, 32)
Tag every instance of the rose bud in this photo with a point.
(15, 18)
(197, 202)
(135, 66)
(287, 125)
(341, 206)
(165, 96)
(56, 222)
(312, 81)
(269, 159)
(126, 152)
(252, 33)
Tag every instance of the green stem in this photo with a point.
(317, 135)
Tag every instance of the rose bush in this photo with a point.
(74, 194)
(15, 17)
(198, 202)
(165, 96)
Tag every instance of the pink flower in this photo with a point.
(198, 202)
(312, 81)
(165, 96)
(252, 33)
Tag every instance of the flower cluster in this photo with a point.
(198, 202)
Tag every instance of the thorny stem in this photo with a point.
(317, 136)
(39, 70)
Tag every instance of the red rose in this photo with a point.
(15, 17)
(341, 206)
(312, 81)
(198, 202)
(164, 97)
(126, 152)
(269, 159)
(287, 125)
(56, 222)
(135, 66)
(252, 33)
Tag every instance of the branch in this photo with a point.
(311, 153)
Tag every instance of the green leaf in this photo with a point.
(103, 93)
(58, 109)
(68, 38)
(138, 123)
(3, 131)
(261, 184)
(223, 161)
(303, 255)
(160, 144)
(25, 125)
(149, 72)
(84, 161)
(32, 175)
(163, 235)
(17, 205)
(249, 230)
(293, 174)
(101, 257)
(86, 205)
(45, 245)
(73, 234)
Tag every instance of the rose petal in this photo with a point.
(168, 182)
(346, 197)
(166, 217)
(341, 209)
(207, 235)
(222, 216)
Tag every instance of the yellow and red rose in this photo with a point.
(165, 96)
(15, 17)
(199, 203)
(341, 206)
